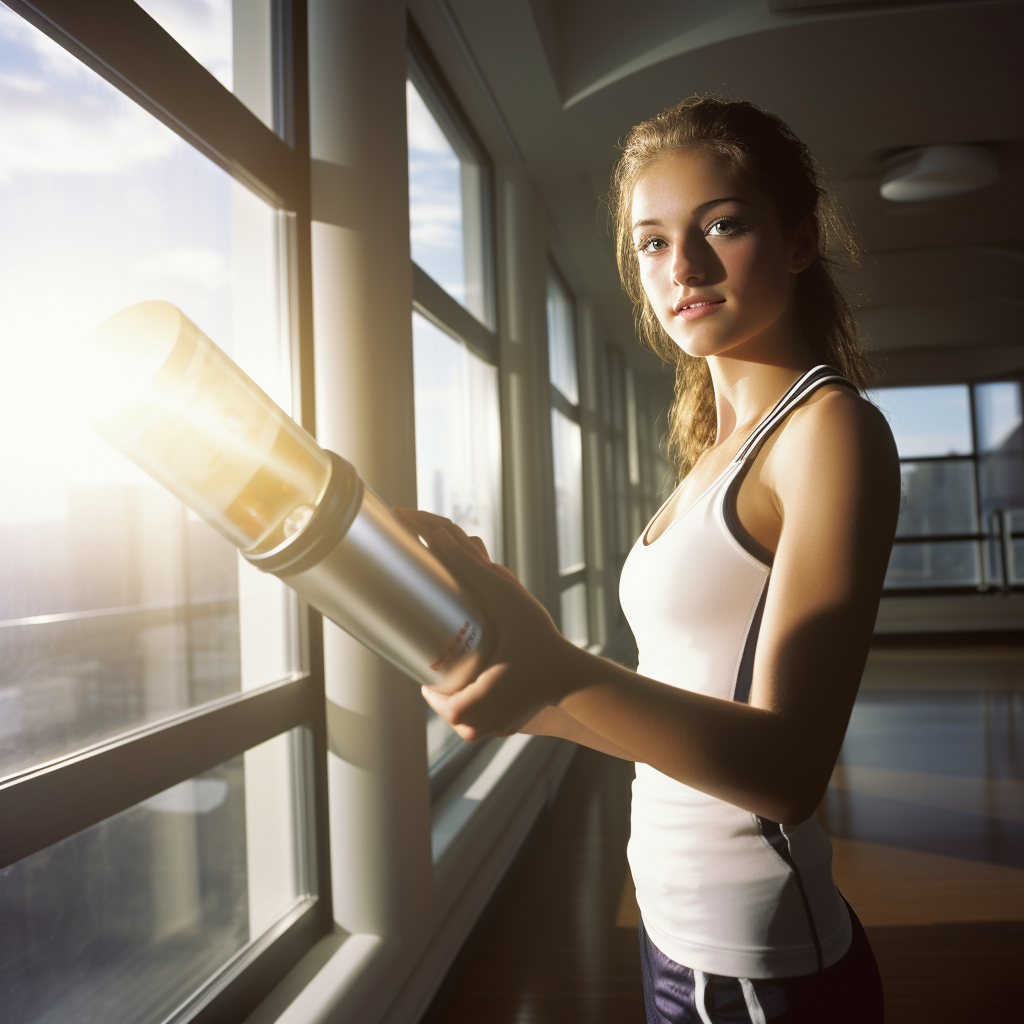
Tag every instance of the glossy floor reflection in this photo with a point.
(926, 811)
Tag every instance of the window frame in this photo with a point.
(1002, 535)
(575, 413)
(62, 796)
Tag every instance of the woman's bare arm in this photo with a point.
(837, 484)
(554, 721)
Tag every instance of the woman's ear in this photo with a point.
(805, 244)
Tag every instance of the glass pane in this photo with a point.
(997, 409)
(1001, 480)
(938, 497)
(441, 737)
(125, 920)
(573, 604)
(933, 565)
(932, 420)
(567, 442)
(232, 39)
(998, 412)
(1016, 560)
(562, 339)
(117, 607)
(446, 205)
(458, 434)
(615, 406)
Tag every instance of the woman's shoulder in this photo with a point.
(836, 430)
(836, 412)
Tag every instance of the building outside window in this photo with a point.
(157, 724)
(458, 426)
(961, 454)
(567, 454)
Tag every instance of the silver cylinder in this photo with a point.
(357, 564)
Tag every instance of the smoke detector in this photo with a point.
(938, 172)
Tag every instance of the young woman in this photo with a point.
(752, 593)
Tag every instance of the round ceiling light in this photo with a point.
(938, 172)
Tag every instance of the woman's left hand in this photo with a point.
(531, 665)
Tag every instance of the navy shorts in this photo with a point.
(848, 992)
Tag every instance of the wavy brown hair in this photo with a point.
(765, 150)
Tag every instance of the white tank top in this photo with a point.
(720, 889)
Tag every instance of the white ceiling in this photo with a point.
(942, 284)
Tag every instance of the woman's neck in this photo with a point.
(746, 390)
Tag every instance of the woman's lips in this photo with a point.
(703, 307)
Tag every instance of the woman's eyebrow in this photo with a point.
(654, 222)
(716, 202)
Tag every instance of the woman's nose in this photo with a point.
(687, 266)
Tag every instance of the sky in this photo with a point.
(936, 420)
(435, 199)
(101, 206)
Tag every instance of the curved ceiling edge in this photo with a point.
(751, 18)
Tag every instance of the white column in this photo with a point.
(526, 442)
(362, 302)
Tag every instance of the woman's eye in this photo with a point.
(725, 226)
(651, 245)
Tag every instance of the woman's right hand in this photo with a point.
(426, 525)
(531, 665)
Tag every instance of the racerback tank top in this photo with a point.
(720, 889)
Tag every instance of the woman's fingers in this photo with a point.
(481, 708)
(426, 524)
(469, 561)
(473, 545)
(442, 705)
(426, 520)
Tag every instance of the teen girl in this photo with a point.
(752, 593)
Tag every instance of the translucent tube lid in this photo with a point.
(163, 393)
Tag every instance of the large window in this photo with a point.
(567, 452)
(458, 428)
(157, 726)
(962, 470)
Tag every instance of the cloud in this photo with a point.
(200, 266)
(435, 202)
(437, 223)
(57, 116)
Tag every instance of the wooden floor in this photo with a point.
(926, 812)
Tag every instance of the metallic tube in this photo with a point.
(181, 409)
(358, 565)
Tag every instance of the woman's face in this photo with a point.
(714, 260)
